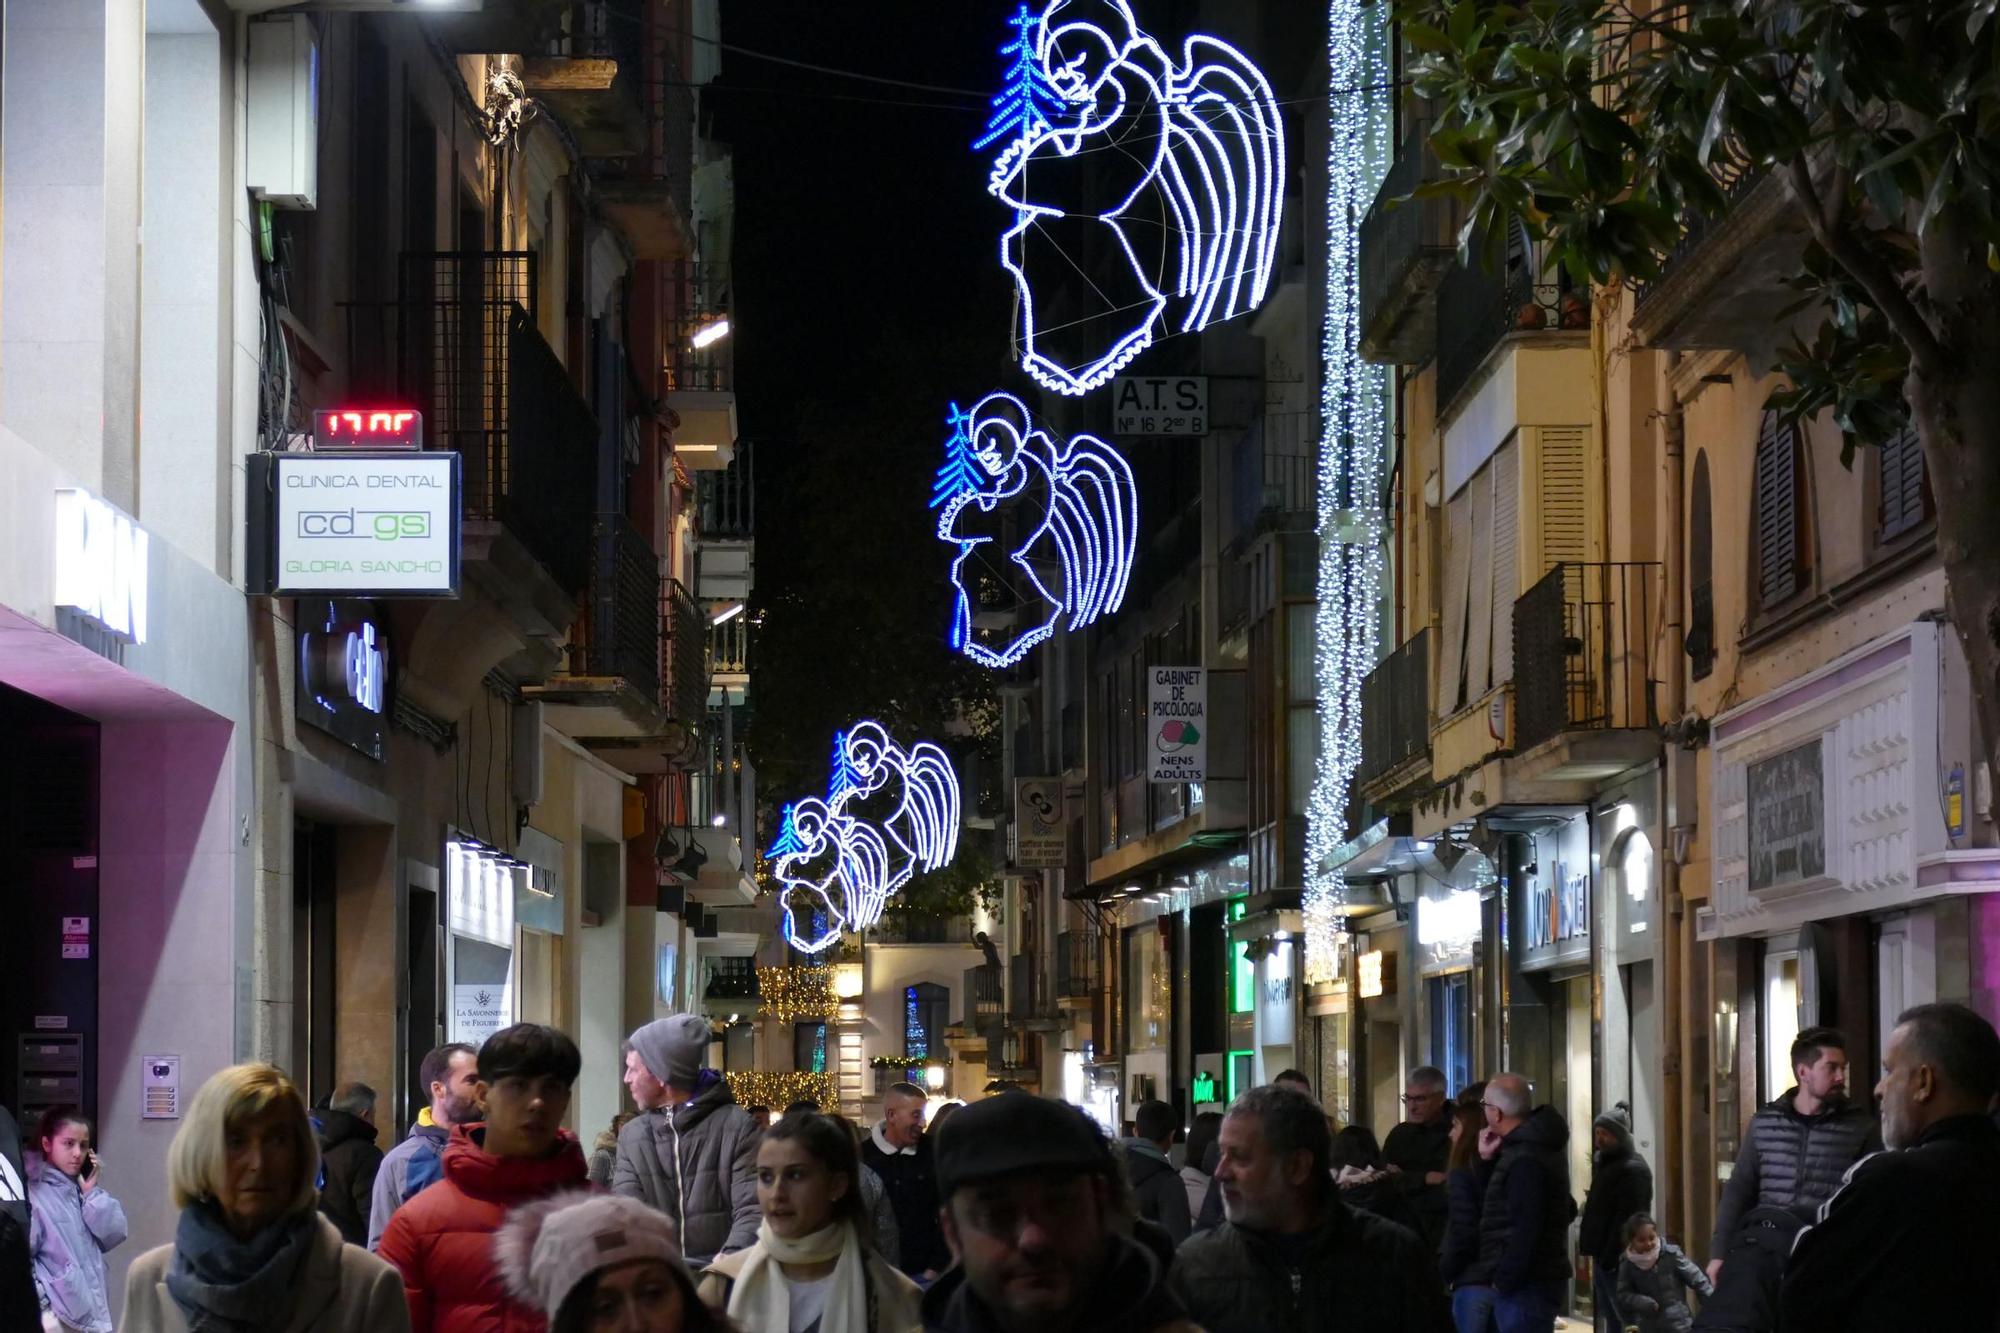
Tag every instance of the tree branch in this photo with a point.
(1876, 278)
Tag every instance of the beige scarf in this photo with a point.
(761, 1300)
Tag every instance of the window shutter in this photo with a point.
(1565, 496)
(1506, 470)
(1479, 599)
(1905, 498)
(1701, 573)
(1777, 511)
(1457, 564)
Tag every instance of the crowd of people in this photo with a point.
(1014, 1214)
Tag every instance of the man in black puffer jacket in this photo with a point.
(1292, 1257)
(347, 1150)
(1526, 1207)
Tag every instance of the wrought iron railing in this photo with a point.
(1478, 308)
(1076, 964)
(1580, 651)
(729, 647)
(726, 500)
(1399, 234)
(1274, 473)
(921, 928)
(1395, 709)
(985, 993)
(1737, 179)
(700, 297)
(732, 979)
(683, 654)
(621, 635)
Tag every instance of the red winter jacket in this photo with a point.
(441, 1241)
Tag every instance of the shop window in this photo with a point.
(1784, 553)
(809, 1047)
(1700, 641)
(1903, 489)
(1781, 1020)
(1146, 989)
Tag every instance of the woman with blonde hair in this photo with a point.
(251, 1253)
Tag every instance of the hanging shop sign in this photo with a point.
(1372, 974)
(1173, 405)
(1041, 834)
(1177, 720)
(354, 524)
(101, 565)
(344, 672)
(1055, 523)
(1552, 902)
(1787, 800)
(1447, 929)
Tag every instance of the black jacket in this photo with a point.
(1790, 1160)
(1357, 1274)
(910, 1180)
(1417, 1150)
(347, 1147)
(20, 1307)
(1129, 1296)
(1621, 1184)
(1157, 1188)
(1458, 1257)
(1905, 1242)
(1526, 1207)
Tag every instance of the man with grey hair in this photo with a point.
(1291, 1254)
(1904, 1241)
(347, 1150)
(899, 1151)
(1526, 1206)
(1419, 1149)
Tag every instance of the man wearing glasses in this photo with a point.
(1419, 1148)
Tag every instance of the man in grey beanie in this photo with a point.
(692, 1151)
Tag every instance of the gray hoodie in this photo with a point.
(69, 1232)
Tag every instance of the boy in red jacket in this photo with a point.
(442, 1240)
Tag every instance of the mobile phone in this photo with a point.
(89, 1165)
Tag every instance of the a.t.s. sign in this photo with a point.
(355, 524)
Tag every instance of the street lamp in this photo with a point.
(934, 1077)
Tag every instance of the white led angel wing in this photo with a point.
(1094, 521)
(1225, 171)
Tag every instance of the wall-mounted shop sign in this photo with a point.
(354, 524)
(1787, 800)
(1177, 721)
(1375, 974)
(1159, 405)
(1552, 899)
(344, 671)
(101, 564)
(1041, 834)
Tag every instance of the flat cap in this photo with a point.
(1014, 1133)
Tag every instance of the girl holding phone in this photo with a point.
(75, 1222)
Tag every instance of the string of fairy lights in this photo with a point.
(1353, 446)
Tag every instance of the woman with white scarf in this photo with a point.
(814, 1268)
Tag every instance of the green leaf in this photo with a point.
(1716, 124)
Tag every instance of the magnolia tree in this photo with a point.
(1600, 128)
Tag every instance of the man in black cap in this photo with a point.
(1035, 1212)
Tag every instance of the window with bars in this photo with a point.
(1784, 553)
(1701, 572)
(1903, 488)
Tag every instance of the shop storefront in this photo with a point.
(1549, 997)
(1631, 1041)
(1446, 927)
(1855, 857)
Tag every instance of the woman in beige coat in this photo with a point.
(251, 1253)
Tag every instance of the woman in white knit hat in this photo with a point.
(813, 1268)
(599, 1263)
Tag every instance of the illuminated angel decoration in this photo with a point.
(890, 815)
(1162, 179)
(1074, 514)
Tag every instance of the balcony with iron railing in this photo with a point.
(985, 995)
(1274, 477)
(729, 652)
(1722, 279)
(1481, 311)
(1395, 719)
(1581, 639)
(726, 500)
(460, 345)
(921, 928)
(1407, 245)
(1076, 966)
(701, 365)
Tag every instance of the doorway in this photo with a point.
(1452, 1037)
(315, 861)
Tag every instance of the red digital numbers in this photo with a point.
(368, 428)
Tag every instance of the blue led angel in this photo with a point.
(894, 816)
(1177, 163)
(1075, 525)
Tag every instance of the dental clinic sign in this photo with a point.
(354, 524)
(101, 565)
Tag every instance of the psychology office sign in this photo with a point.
(354, 524)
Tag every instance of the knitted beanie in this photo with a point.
(547, 1247)
(674, 1049)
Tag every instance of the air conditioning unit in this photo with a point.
(284, 111)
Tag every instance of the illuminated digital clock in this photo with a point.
(340, 428)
